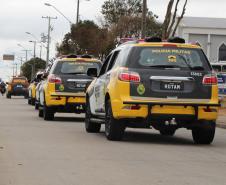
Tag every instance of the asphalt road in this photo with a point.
(35, 152)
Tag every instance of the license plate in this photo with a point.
(80, 85)
(19, 86)
(172, 86)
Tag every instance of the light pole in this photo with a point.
(78, 5)
(48, 37)
(50, 5)
(26, 51)
(37, 41)
(34, 42)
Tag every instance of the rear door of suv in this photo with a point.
(72, 75)
(170, 73)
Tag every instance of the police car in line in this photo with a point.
(32, 88)
(154, 84)
(39, 86)
(17, 86)
(65, 86)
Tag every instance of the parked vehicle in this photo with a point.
(2, 87)
(220, 69)
(39, 86)
(154, 84)
(64, 89)
(32, 88)
(17, 86)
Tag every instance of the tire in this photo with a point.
(114, 129)
(48, 113)
(26, 96)
(8, 96)
(167, 131)
(36, 106)
(90, 126)
(29, 101)
(205, 134)
(40, 112)
(32, 101)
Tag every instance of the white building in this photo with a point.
(210, 33)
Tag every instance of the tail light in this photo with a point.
(210, 79)
(54, 79)
(129, 77)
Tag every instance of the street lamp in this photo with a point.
(26, 50)
(37, 41)
(50, 5)
(78, 4)
(34, 42)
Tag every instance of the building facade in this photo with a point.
(210, 33)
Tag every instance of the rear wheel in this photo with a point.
(48, 113)
(29, 101)
(114, 129)
(8, 96)
(205, 134)
(91, 127)
(167, 131)
(40, 112)
(36, 106)
(32, 101)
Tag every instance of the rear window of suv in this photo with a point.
(75, 67)
(168, 57)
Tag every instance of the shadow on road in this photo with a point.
(152, 138)
(69, 119)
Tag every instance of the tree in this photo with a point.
(124, 18)
(86, 37)
(171, 21)
(32, 66)
(113, 10)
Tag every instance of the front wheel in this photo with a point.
(91, 127)
(114, 129)
(205, 134)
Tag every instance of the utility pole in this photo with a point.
(144, 19)
(48, 37)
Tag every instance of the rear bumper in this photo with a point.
(66, 102)
(19, 92)
(164, 111)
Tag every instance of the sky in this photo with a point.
(20, 16)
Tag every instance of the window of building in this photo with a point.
(222, 52)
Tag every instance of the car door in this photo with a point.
(102, 83)
(97, 88)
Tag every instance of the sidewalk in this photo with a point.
(221, 122)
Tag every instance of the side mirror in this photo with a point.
(92, 72)
(45, 75)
